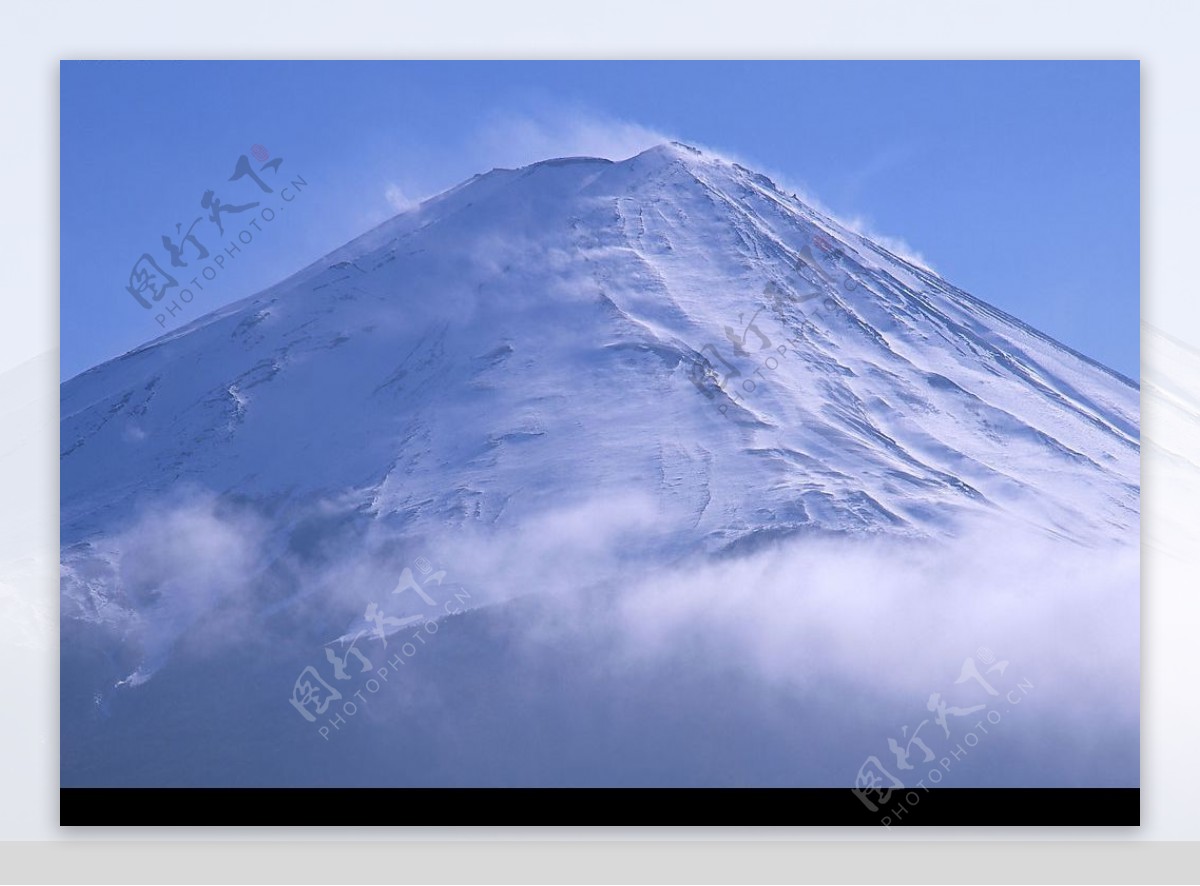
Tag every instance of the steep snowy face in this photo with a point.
(672, 324)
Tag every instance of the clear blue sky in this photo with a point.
(1017, 181)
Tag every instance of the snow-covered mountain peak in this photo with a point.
(673, 453)
(671, 323)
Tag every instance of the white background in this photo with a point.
(1161, 34)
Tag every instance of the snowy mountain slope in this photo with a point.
(538, 329)
(659, 359)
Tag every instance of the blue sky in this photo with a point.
(1017, 181)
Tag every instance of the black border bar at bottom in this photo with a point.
(686, 807)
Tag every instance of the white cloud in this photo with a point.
(515, 140)
(898, 246)
(398, 199)
(858, 631)
(180, 564)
